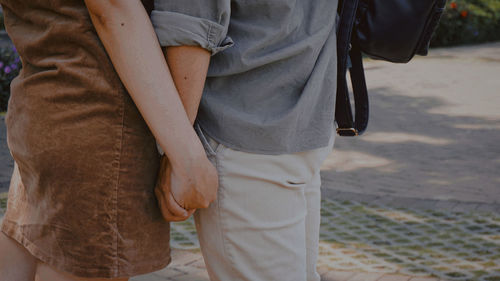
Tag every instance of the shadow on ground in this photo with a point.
(409, 150)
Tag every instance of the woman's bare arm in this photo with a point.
(188, 65)
(128, 36)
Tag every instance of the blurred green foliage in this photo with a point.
(463, 22)
(468, 22)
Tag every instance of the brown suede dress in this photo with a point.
(87, 160)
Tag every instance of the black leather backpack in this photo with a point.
(390, 30)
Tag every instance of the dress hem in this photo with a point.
(12, 231)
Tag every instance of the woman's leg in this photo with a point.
(20, 265)
(16, 263)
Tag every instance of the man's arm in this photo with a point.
(128, 36)
(189, 66)
(202, 25)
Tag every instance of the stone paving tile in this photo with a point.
(337, 275)
(446, 205)
(198, 263)
(486, 208)
(194, 275)
(394, 277)
(363, 276)
(322, 270)
(147, 277)
(175, 272)
(172, 271)
(189, 278)
(185, 258)
(465, 207)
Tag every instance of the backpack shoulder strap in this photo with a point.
(343, 112)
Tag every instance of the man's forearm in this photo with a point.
(128, 36)
(188, 66)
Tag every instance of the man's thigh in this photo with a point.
(256, 230)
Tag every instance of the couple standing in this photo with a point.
(97, 96)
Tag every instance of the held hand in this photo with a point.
(189, 185)
(170, 210)
(194, 183)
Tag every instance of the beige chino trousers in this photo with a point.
(264, 225)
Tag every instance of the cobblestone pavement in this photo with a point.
(432, 147)
(381, 242)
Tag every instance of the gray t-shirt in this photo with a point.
(273, 91)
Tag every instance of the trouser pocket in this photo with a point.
(211, 146)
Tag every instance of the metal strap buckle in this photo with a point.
(347, 132)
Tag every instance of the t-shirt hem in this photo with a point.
(261, 151)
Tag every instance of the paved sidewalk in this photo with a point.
(433, 137)
(415, 198)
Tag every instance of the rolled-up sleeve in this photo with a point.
(193, 23)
